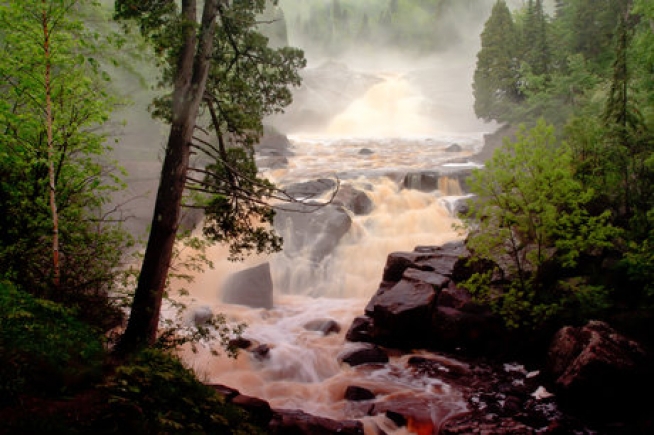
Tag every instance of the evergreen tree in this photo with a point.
(535, 38)
(495, 84)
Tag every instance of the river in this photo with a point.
(393, 128)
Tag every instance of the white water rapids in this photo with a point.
(396, 127)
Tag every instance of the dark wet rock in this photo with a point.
(357, 394)
(252, 287)
(318, 229)
(201, 315)
(594, 368)
(296, 422)
(418, 414)
(396, 417)
(258, 408)
(355, 200)
(364, 355)
(471, 423)
(227, 392)
(475, 333)
(402, 315)
(261, 352)
(446, 260)
(423, 181)
(440, 367)
(326, 326)
(429, 181)
(454, 148)
(240, 343)
(360, 329)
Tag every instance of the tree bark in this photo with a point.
(56, 274)
(189, 86)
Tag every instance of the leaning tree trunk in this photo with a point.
(189, 86)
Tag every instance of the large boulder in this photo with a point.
(353, 199)
(252, 287)
(368, 354)
(418, 304)
(594, 368)
(310, 189)
(311, 230)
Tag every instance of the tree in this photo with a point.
(221, 64)
(53, 183)
(535, 38)
(495, 84)
(529, 218)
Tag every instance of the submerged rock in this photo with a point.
(364, 355)
(252, 287)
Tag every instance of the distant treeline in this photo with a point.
(413, 25)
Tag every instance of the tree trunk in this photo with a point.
(189, 86)
(47, 55)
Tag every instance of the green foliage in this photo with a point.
(530, 218)
(44, 349)
(155, 393)
(242, 220)
(90, 244)
(494, 84)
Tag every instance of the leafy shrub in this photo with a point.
(155, 393)
(43, 347)
(530, 218)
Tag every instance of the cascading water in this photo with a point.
(371, 146)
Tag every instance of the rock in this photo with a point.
(454, 148)
(240, 343)
(360, 329)
(326, 326)
(472, 423)
(258, 408)
(364, 355)
(475, 333)
(227, 392)
(273, 143)
(429, 181)
(402, 315)
(595, 369)
(357, 394)
(444, 260)
(296, 422)
(422, 181)
(252, 287)
(272, 162)
(318, 229)
(261, 352)
(354, 200)
(366, 152)
(418, 414)
(202, 315)
(310, 189)
(440, 367)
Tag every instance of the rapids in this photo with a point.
(394, 123)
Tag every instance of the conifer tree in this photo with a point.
(495, 79)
